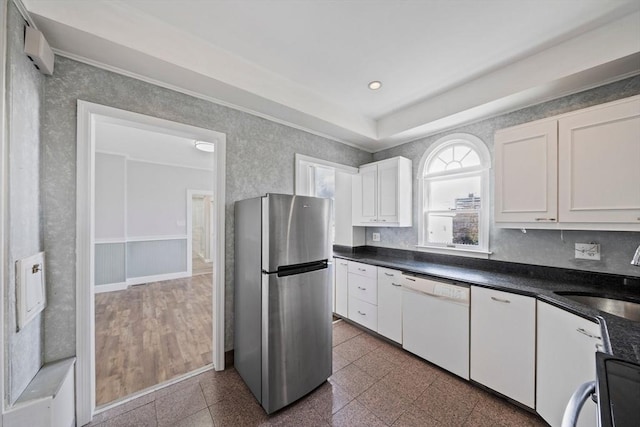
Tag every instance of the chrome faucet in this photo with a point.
(636, 258)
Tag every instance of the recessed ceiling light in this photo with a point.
(375, 85)
(205, 146)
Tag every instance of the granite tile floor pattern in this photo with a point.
(373, 384)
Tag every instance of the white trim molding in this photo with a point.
(481, 170)
(303, 172)
(111, 287)
(132, 281)
(88, 115)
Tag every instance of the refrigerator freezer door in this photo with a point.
(297, 336)
(297, 230)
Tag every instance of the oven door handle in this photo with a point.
(572, 411)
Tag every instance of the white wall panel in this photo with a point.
(110, 264)
(151, 258)
(156, 197)
(110, 196)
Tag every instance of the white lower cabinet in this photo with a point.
(341, 291)
(565, 359)
(390, 304)
(364, 313)
(503, 339)
(363, 294)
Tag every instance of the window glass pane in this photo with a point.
(455, 193)
(471, 159)
(325, 180)
(325, 186)
(453, 228)
(453, 157)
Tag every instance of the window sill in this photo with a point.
(470, 253)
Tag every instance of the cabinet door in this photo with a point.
(365, 196)
(389, 304)
(503, 337)
(388, 191)
(565, 359)
(526, 171)
(341, 287)
(599, 154)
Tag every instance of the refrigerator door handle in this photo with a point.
(290, 270)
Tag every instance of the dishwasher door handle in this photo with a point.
(572, 411)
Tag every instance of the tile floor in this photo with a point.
(373, 384)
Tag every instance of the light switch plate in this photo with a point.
(376, 237)
(31, 297)
(588, 251)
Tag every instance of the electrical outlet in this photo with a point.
(588, 251)
(376, 237)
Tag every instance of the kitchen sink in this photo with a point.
(616, 306)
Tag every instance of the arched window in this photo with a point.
(454, 193)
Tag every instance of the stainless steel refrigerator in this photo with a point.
(282, 296)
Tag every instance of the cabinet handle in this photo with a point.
(410, 279)
(389, 274)
(343, 263)
(361, 288)
(590, 335)
(501, 300)
(545, 219)
(396, 284)
(364, 314)
(362, 269)
(383, 220)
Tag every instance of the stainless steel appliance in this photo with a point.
(616, 390)
(282, 296)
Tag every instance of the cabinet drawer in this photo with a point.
(389, 277)
(363, 269)
(364, 288)
(364, 313)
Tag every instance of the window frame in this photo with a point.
(305, 172)
(305, 167)
(482, 170)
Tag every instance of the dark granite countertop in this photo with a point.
(536, 281)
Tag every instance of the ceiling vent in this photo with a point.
(38, 50)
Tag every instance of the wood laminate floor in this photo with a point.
(151, 333)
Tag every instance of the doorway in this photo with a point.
(145, 248)
(200, 212)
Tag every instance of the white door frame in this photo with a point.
(88, 115)
(190, 194)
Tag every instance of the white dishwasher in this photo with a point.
(435, 322)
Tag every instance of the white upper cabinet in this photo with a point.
(575, 171)
(526, 170)
(382, 194)
(599, 151)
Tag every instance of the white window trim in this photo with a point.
(304, 176)
(485, 160)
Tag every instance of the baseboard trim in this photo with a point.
(111, 287)
(157, 278)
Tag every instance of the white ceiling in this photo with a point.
(146, 145)
(307, 62)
